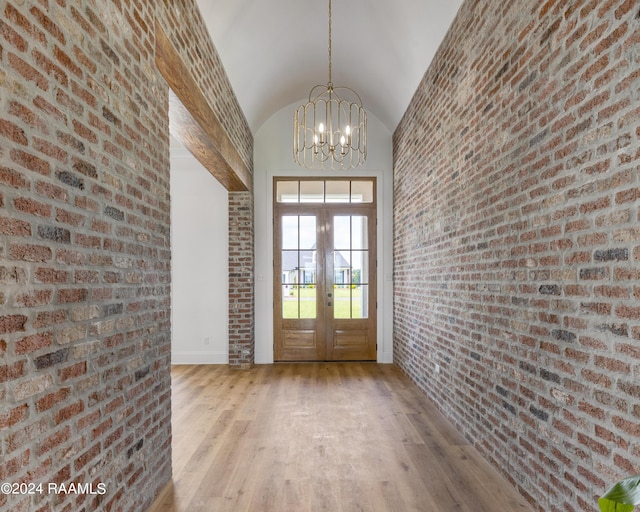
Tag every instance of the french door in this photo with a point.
(325, 270)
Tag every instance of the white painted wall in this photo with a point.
(273, 156)
(199, 263)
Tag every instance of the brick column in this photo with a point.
(241, 286)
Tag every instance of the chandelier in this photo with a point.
(330, 130)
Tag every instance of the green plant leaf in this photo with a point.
(606, 505)
(622, 497)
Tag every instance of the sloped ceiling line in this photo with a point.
(275, 51)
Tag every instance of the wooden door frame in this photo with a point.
(334, 350)
(292, 210)
(323, 212)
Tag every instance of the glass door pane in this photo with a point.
(312, 191)
(362, 191)
(299, 266)
(350, 266)
(287, 192)
(332, 190)
(338, 191)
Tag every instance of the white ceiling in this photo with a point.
(274, 51)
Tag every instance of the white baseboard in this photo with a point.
(387, 358)
(199, 357)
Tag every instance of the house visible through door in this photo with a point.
(325, 269)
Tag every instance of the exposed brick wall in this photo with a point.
(241, 281)
(517, 241)
(85, 247)
(190, 37)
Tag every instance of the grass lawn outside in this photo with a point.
(306, 298)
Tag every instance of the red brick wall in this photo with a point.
(517, 241)
(190, 37)
(85, 246)
(241, 282)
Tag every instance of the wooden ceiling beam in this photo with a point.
(195, 125)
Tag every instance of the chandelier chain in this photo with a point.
(330, 80)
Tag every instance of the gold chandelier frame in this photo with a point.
(330, 130)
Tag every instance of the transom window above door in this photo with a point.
(325, 191)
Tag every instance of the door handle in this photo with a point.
(329, 303)
(329, 295)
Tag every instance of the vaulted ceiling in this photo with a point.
(274, 51)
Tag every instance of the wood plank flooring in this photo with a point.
(320, 437)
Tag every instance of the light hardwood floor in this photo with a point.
(310, 437)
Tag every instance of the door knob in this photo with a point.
(329, 304)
